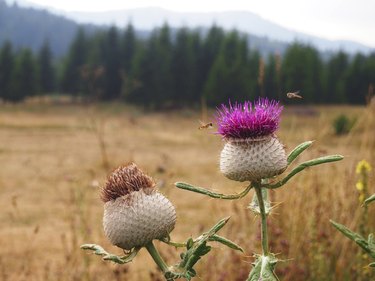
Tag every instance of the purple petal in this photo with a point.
(249, 120)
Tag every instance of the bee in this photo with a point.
(294, 95)
(205, 125)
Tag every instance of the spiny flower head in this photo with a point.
(124, 180)
(135, 213)
(248, 120)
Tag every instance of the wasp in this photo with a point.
(294, 95)
(205, 125)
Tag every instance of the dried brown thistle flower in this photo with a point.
(135, 213)
(124, 180)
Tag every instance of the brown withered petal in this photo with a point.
(124, 180)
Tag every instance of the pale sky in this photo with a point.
(331, 19)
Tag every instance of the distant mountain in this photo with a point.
(30, 27)
(148, 18)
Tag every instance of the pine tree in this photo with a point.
(209, 52)
(6, 69)
(24, 77)
(271, 79)
(253, 67)
(336, 71)
(128, 49)
(163, 93)
(370, 76)
(184, 66)
(356, 83)
(229, 77)
(110, 54)
(195, 42)
(302, 70)
(72, 81)
(142, 74)
(46, 71)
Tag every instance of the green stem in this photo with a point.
(156, 257)
(263, 216)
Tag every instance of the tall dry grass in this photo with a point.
(54, 158)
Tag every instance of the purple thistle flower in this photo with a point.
(249, 120)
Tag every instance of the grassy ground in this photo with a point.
(55, 158)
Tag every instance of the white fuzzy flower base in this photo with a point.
(137, 218)
(250, 160)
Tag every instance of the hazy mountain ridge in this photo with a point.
(29, 25)
(244, 21)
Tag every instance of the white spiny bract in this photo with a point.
(252, 159)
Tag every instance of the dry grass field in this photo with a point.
(55, 158)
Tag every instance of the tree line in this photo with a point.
(24, 74)
(179, 67)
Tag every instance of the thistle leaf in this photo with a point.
(263, 269)
(370, 199)
(302, 166)
(356, 238)
(226, 242)
(219, 225)
(212, 194)
(298, 150)
(371, 242)
(196, 249)
(98, 250)
(189, 243)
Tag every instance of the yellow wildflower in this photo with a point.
(359, 186)
(363, 166)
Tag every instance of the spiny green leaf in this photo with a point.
(192, 272)
(189, 243)
(197, 248)
(199, 251)
(370, 199)
(219, 225)
(98, 250)
(302, 166)
(371, 242)
(263, 269)
(355, 237)
(298, 150)
(226, 242)
(212, 194)
(206, 235)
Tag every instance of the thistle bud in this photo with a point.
(135, 213)
(251, 151)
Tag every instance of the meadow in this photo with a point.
(55, 158)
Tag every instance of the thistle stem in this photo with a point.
(156, 257)
(263, 216)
